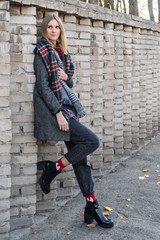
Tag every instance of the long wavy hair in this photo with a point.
(62, 41)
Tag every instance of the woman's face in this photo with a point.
(53, 31)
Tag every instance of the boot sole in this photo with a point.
(105, 225)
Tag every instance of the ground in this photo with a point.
(135, 203)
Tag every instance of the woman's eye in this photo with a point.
(50, 27)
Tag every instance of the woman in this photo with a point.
(56, 116)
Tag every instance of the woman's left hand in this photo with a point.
(62, 75)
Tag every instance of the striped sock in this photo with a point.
(59, 165)
(91, 198)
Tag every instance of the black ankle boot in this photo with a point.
(49, 173)
(93, 211)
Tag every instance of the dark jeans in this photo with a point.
(82, 143)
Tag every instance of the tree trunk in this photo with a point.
(107, 3)
(133, 7)
(158, 11)
(117, 5)
(100, 3)
(93, 2)
(112, 4)
(120, 3)
(124, 4)
(150, 9)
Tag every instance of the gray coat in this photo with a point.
(46, 106)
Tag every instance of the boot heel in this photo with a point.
(41, 165)
(88, 218)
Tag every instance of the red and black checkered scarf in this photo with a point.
(47, 52)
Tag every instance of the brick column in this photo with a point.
(158, 81)
(67, 179)
(97, 91)
(148, 51)
(155, 80)
(127, 85)
(47, 150)
(108, 89)
(135, 87)
(62, 186)
(5, 121)
(24, 149)
(83, 65)
(142, 97)
(118, 91)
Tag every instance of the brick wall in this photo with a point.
(5, 121)
(117, 60)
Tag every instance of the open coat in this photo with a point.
(46, 106)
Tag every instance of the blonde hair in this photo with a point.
(62, 41)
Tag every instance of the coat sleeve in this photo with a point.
(42, 86)
(69, 81)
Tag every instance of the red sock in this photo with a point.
(91, 198)
(59, 165)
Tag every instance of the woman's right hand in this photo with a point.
(62, 122)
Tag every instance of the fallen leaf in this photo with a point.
(138, 154)
(145, 170)
(133, 183)
(142, 178)
(34, 232)
(91, 225)
(108, 208)
(127, 205)
(99, 180)
(157, 171)
(121, 217)
(128, 199)
(158, 175)
(106, 213)
(69, 232)
(82, 214)
(158, 182)
(146, 176)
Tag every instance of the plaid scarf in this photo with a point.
(71, 95)
(47, 52)
(67, 58)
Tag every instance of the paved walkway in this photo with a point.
(135, 202)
